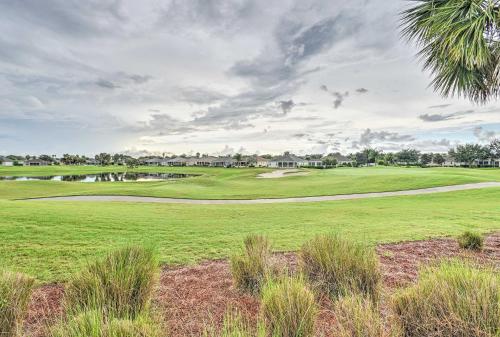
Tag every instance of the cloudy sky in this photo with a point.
(220, 76)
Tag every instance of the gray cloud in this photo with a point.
(439, 106)
(339, 98)
(286, 106)
(483, 135)
(444, 117)
(362, 90)
(368, 137)
(106, 84)
(199, 95)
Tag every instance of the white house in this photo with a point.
(6, 162)
(287, 161)
(177, 161)
(261, 162)
(153, 161)
(223, 162)
(205, 161)
(315, 162)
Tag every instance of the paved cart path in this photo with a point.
(125, 198)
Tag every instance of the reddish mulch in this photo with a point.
(191, 297)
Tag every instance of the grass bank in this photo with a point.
(214, 183)
(50, 239)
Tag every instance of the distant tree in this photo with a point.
(237, 157)
(495, 148)
(103, 158)
(468, 153)
(132, 163)
(46, 157)
(197, 155)
(438, 159)
(329, 161)
(408, 156)
(389, 158)
(118, 158)
(426, 158)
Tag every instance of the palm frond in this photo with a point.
(459, 41)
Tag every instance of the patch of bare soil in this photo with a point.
(191, 297)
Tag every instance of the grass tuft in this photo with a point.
(339, 267)
(288, 308)
(470, 240)
(121, 284)
(234, 325)
(96, 323)
(452, 299)
(15, 293)
(357, 316)
(249, 269)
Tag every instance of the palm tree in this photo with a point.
(460, 45)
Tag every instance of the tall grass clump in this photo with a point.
(15, 294)
(340, 267)
(357, 316)
(470, 240)
(121, 284)
(96, 323)
(288, 308)
(452, 299)
(249, 269)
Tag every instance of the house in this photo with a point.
(35, 162)
(6, 162)
(223, 162)
(287, 161)
(261, 162)
(315, 163)
(244, 161)
(177, 161)
(487, 163)
(191, 161)
(153, 161)
(205, 161)
(341, 159)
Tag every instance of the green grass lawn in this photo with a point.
(242, 183)
(52, 239)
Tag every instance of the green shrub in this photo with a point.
(95, 323)
(121, 284)
(356, 316)
(288, 308)
(470, 240)
(250, 268)
(15, 294)
(452, 299)
(339, 267)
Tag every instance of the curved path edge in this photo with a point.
(126, 198)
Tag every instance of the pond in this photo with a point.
(104, 177)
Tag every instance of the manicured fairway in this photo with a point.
(51, 239)
(242, 183)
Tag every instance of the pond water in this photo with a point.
(104, 177)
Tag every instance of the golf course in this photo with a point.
(53, 238)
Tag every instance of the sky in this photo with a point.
(220, 77)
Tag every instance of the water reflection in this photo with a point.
(104, 177)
